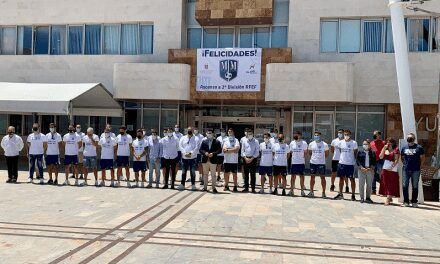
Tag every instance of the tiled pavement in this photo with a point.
(48, 224)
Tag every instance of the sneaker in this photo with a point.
(30, 180)
(332, 188)
(245, 190)
(361, 201)
(368, 200)
(311, 194)
(261, 191)
(226, 189)
(42, 181)
(235, 189)
(181, 187)
(340, 196)
(102, 184)
(128, 184)
(275, 191)
(214, 190)
(66, 182)
(76, 183)
(81, 177)
(204, 189)
(415, 205)
(157, 185)
(117, 184)
(303, 194)
(165, 186)
(193, 187)
(323, 195)
(149, 185)
(405, 205)
(96, 184)
(283, 193)
(50, 181)
(55, 182)
(291, 193)
(353, 198)
(347, 190)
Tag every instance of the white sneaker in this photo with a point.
(405, 205)
(30, 180)
(261, 191)
(415, 205)
(303, 194)
(193, 188)
(181, 187)
(96, 184)
(41, 181)
(291, 193)
(311, 194)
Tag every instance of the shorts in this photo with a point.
(90, 162)
(220, 159)
(139, 166)
(106, 164)
(335, 165)
(122, 161)
(52, 160)
(317, 169)
(297, 169)
(230, 167)
(265, 170)
(280, 170)
(71, 159)
(345, 170)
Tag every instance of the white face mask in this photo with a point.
(209, 135)
(250, 136)
(222, 134)
(231, 138)
(365, 147)
(154, 137)
(176, 129)
(272, 135)
(346, 137)
(52, 129)
(266, 140)
(78, 129)
(170, 134)
(340, 135)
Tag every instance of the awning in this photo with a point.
(90, 99)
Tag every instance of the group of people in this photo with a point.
(274, 159)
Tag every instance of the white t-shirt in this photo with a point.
(71, 144)
(337, 152)
(139, 146)
(81, 135)
(297, 148)
(36, 141)
(229, 156)
(124, 142)
(281, 150)
(347, 152)
(221, 139)
(107, 147)
(53, 143)
(266, 154)
(90, 149)
(318, 152)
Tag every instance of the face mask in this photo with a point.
(52, 129)
(245, 134)
(35, 129)
(346, 137)
(176, 129)
(222, 134)
(272, 135)
(295, 137)
(71, 131)
(170, 134)
(317, 138)
(410, 140)
(250, 136)
(266, 140)
(190, 132)
(231, 138)
(164, 134)
(280, 140)
(121, 132)
(107, 134)
(154, 137)
(196, 132)
(139, 136)
(340, 135)
(78, 129)
(209, 135)
(365, 147)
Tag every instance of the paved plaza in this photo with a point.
(49, 224)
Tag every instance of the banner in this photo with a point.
(228, 70)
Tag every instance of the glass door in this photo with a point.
(324, 123)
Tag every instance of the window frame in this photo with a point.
(321, 38)
(152, 37)
(407, 23)
(34, 27)
(83, 38)
(66, 45)
(382, 44)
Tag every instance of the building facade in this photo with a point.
(325, 64)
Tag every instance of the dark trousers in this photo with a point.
(249, 169)
(377, 171)
(12, 164)
(189, 164)
(413, 177)
(170, 166)
(36, 159)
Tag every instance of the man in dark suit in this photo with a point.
(209, 149)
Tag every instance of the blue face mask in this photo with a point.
(317, 138)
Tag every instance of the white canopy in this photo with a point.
(67, 99)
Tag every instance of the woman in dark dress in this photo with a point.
(389, 180)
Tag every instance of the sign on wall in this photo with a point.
(228, 70)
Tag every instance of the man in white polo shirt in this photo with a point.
(90, 142)
(54, 143)
(124, 142)
(37, 145)
(108, 148)
(72, 142)
(318, 151)
(12, 144)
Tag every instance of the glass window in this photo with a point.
(75, 39)
(111, 39)
(168, 118)
(16, 121)
(146, 39)
(372, 36)
(350, 36)
(116, 123)
(28, 122)
(389, 44)
(98, 123)
(62, 124)
(210, 38)
(45, 121)
(93, 40)
(83, 121)
(279, 37)
(41, 40)
(238, 111)
(302, 108)
(371, 108)
(191, 14)
(325, 108)
(346, 121)
(24, 40)
(4, 124)
(129, 39)
(212, 111)
(303, 122)
(281, 12)
(435, 34)
(246, 38)
(151, 119)
(418, 34)
(267, 112)
(366, 124)
(194, 38)
(262, 37)
(346, 108)
(226, 38)
(8, 41)
(58, 40)
(329, 32)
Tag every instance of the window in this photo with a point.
(98, 123)
(246, 38)
(389, 44)
(75, 39)
(116, 123)
(168, 118)
(262, 37)
(239, 111)
(418, 34)
(435, 34)
(45, 121)
(350, 36)
(146, 39)
(58, 40)
(24, 40)
(372, 36)
(226, 38)
(111, 39)
(281, 12)
(151, 119)
(367, 123)
(303, 121)
(41, 40)
(210, 38)
(279, 37)
(4, 124)
(346, 121)
(28, 123)
(93, 40)
(17, 122)
(194, 38)
(329, 31)
(191, 14)
(129, 39)
(8, 40)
